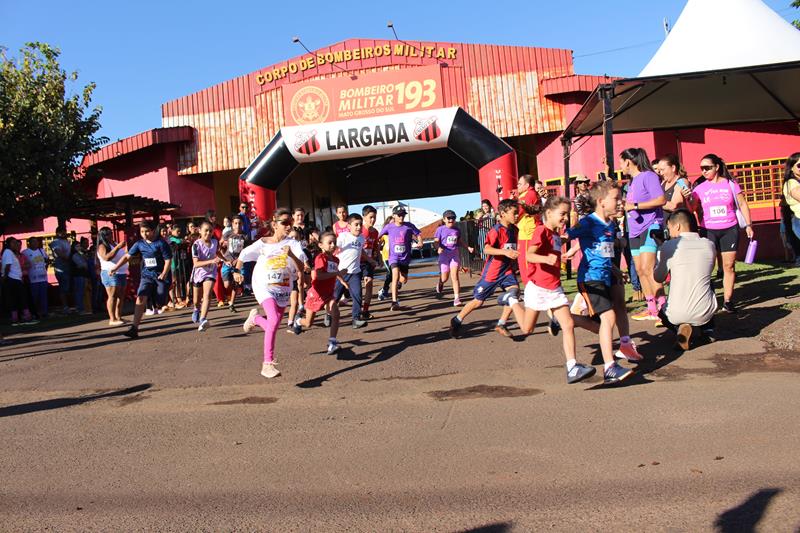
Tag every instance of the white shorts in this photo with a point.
(540, 299)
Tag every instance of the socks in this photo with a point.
(571, 364)
(457, 319)
(661, 301)
(625, 340)
(332, 340)
(501, 322)
(651, 305)
(606, 366)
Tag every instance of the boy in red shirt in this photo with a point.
(372, 250)
(323, 281)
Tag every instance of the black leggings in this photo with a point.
(15, 295)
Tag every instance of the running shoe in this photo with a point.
(250, 323)
(395, 306)
(616, 374)
(333, 347)
(439, 287)
(503, 330)
(627, 350)
(221, 304)
(232, 308)
(684, 336)
(554, 327)
(729, 308)
(132, 333)
(457, 302)
(382, 295)
(30, 322)
(580, 372)
(359, 323)
(327, 320)
(269, 371)
(366, 315)
(203, 325)
(148, 312)
(455, 327)
(297, 329)
(644, 314)
(195, 316)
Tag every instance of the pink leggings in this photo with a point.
(270, 325)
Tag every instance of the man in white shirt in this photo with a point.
(689, 260)
(351, 254)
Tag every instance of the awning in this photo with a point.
(764, 93)
(121, 207)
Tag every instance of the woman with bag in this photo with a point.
(722, 210)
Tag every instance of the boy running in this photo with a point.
(372, 250)
(596, 234)
(399, 234)
(501, 249)
(323, 281)
(232, 244)
(351, 254)
(447, 241)
(156, 257)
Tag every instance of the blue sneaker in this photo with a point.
(616, 374)
(195, 316)
(580, 372)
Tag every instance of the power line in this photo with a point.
(620, 49)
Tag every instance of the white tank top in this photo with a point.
(108, 265)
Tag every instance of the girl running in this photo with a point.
(278, 259)
(206, 256)
(447, 240)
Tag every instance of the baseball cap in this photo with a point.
(449, 213)
(581, 178)
(399, 210)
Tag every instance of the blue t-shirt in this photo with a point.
(597, 245)
(153, 256)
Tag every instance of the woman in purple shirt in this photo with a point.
(645, 218)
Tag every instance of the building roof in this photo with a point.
(120, 207)
(576, 83)
(724, 34)
(139, 141)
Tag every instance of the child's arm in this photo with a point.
(491, 250)
(124, 259)
(532, 257)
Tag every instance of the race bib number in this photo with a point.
(399, 248)
(605, 249)
(719, 211)
(275, 277)
(451, 240)
(510, 246)
(150, 262)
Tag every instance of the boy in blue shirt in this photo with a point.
(156, 257)
(596, 234)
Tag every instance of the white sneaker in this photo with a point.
(268, 370)
(333, 347)
(250, 323)
(149, 312)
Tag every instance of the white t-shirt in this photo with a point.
(37, 259)
(349, 252)
(10, 258)
(274, 270)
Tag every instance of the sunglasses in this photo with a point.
(450, 218)
(285, 222)
(706, 168)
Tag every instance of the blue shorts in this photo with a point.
(227, 273)
(147, 286)
(644, 243)
(484, 289)
(117, 280)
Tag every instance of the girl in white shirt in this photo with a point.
(109, 253)
(14, 293)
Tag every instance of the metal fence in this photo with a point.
(474, 234)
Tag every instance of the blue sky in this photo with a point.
(142, 54)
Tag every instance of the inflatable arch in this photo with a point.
(451, 128)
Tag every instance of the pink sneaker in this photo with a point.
(457, 302)
(627, 350)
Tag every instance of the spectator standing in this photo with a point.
(243, 208)
(485, 212)
(529, 205)
(60, 247)
(109, 253)
(791, 190)
(674, 181)
(36, 261)
(582, 204)
(14, 293)
(80, 275)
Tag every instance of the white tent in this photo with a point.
(416, 215)
(723, 34)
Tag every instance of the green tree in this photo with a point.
(44, 134)
(796, 4)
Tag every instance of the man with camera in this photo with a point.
(689, 260)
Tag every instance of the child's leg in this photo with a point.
(470, 307)
(368, 285)
(293, 304)
(607, 321)
(119, 298)
(197, 291)
(309, 318)
(621, 312)
(333, 310)
(138, 310)
(270, 325)
(528, 323)
(395, 279)
(354, 284)
(564, 318)
(208, 284)
(456, 281)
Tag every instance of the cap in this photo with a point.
(449, 213)
(399, 210)
(581, 178)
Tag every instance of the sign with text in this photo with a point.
(405, 132)
(363, 95)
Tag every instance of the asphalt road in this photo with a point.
(407, 430)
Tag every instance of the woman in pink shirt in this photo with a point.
(715, 201)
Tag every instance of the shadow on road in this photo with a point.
(497, 527)
(745, 516)
(58, 403)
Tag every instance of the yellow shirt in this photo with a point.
(527, 223)
(793, 204)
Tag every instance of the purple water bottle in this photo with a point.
(751, 252)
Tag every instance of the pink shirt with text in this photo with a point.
(718, 203)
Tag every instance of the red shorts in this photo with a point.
(315, 302)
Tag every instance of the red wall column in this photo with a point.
(502, 170)
(261, 199)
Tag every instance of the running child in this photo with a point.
(501, 249)
(399, 234)
(232, 246)
(383, 245)
(350, 251)
(320, 294)
(278, 259)
(297, 294)
(596, 234)
(156, 257)
(447, 240)
(371, 248)
(341, 225)
(206, 256)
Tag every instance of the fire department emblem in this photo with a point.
(306, 142)
(426, 129)
(310, 105)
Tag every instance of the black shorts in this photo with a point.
(402, 267)
(368, 270)
(725, 240)
(200, 283)
(597, 296)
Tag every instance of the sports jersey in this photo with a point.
(325, 263)
(274, 269)
(235, 242)
(504, 238)
(399, 241)
(644, 187)
(153, 253)
(349, 251)
(370, 241)
(546, 243)
(719, 205)
(596, 238)
(447, 237)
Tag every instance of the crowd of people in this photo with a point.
(666, 228)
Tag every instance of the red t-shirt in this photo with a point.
(338, 230)
(504, 238)
(325, 263)
(370, 240)
(546, 243)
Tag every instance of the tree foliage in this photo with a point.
(44, 134)
(796, 4)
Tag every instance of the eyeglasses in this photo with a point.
(285, 222)
(450, 218)
(706, 168)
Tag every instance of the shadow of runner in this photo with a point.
(58, 403)
(497, 527)
(745, 516)
(383, 354)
